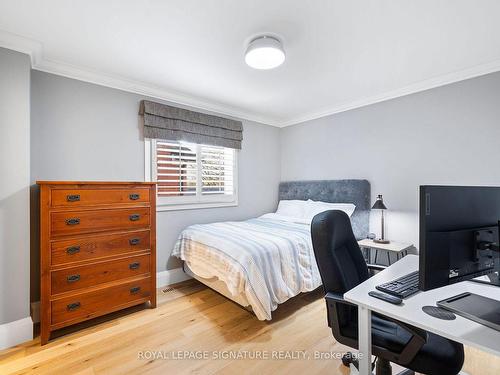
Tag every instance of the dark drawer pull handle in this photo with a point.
(135, 290)
(73, 278)
(73, 250)
(134, 266)
(134, 217)
(73, 306)
(134, 197)
(73, 221)
(73, 197)
(134, 241)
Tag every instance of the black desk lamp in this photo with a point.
(379, 205)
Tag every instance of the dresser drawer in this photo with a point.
(75, 278)
(96, 247)
(78, 222)
(91, 304)
(97, 250)
(94, 197)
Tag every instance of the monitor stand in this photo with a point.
(491, 279)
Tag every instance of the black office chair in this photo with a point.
(342, 267)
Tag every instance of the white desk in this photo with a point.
(410, 311)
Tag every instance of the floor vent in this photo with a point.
(168, 290)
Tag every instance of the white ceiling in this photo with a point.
(340, 54)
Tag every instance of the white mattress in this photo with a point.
(259, 262)
(220, 287)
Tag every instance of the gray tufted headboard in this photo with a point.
(357, 192)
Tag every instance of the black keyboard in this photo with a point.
(403, 287)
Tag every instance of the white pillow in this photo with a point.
(289, 219)
(315, 207)
(292, 208)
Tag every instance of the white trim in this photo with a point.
(143, 88)
(16, 332)
(35, 50)
(147, 160)
(170, 277)
(194, 206)
(442, 80)
(187, 203)
(24, 45)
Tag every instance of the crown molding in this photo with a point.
(38, 62)
(428, 84)
(21, 44)
(34, 49)
(142, 88)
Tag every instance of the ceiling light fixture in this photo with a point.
(265, 52)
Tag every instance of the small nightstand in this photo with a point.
(401, 249)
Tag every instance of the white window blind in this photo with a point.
(176, 169)
(216, 170)
(188, 173)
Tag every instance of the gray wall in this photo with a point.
(82, 131)
(448, 135)
(14, 185)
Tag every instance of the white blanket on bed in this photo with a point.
(269, 259)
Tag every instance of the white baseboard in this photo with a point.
(16, 332)
(170, 277)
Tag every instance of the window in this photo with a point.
(191, 175)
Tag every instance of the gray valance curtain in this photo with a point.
(162, 121)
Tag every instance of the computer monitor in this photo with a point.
(459, 235)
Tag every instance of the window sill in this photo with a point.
(194, 206)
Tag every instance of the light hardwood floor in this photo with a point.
(194, 320)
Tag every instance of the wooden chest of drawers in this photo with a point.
(98, 250)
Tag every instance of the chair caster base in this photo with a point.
(349, 358)
(381, 366)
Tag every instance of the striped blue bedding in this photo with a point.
(269, 259)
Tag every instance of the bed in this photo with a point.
(262, 262)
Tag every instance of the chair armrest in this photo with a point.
(336, 297)
(419, 336)
(417, 340)
(334, 301)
